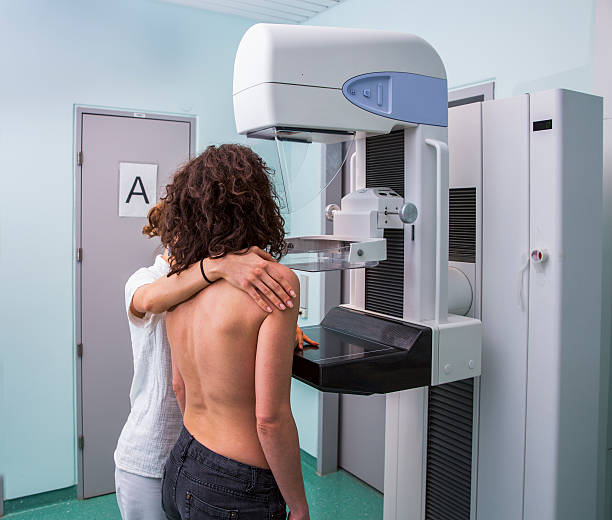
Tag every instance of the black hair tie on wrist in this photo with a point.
(203, 274)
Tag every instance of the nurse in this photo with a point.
(157, 397)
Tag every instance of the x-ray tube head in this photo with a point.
(322, 83)
(303, 86)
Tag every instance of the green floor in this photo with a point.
(337, 496)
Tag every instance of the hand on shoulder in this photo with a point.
(255, 272)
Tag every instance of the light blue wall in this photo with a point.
(140, 54)
(523, 45)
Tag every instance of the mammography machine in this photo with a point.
(281, 67)
(412, 326)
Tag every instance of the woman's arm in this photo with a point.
(275, 425)
(254, 272)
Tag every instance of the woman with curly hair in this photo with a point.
(237, 455)
(157, 395)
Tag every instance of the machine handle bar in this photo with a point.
(442, 185)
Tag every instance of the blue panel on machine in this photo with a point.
(400, 95)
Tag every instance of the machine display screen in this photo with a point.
(545, 124)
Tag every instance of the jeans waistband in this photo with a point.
(187, 446)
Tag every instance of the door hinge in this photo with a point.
(81, 442)
(79, 349)
(80, 158)
(79, 254)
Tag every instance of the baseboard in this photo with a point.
(40, 499)
(308, 459)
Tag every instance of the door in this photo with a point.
(126, 163)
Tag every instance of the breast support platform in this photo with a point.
(368, 354)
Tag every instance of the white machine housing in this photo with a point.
(541, 185)
(372, 209)
(292, 76)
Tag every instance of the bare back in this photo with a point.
(214, 340)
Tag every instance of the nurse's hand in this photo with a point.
(300, 338)
(258, 274)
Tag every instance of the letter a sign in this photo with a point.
(137, 189)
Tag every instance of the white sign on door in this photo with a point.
(137, 189)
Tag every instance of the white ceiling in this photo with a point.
(279, 11)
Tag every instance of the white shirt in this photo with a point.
(155, 419)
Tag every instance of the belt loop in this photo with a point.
(186, 447)
(253, 482)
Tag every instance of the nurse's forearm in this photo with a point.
(254, 272)
(168, 291)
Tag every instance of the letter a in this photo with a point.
(143, 192)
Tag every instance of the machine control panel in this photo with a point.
(400, 95)
(371, 93)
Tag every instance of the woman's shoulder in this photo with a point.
(289, 274)
(278, 271)
(223, 298)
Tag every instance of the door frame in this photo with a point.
(79, 112)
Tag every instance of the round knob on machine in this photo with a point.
(408, 213)
(539, 256)
(329, 211)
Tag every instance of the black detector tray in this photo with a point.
(364, 354)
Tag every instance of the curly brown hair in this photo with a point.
(222, 201)
(154, 220)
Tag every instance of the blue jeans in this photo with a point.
(201, 484)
